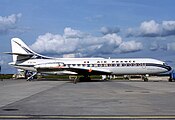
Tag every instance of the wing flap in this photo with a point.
(90, 71)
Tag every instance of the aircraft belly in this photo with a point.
(137, 70)
(129, 70)
(152, 69)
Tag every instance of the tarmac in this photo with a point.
(114, 99)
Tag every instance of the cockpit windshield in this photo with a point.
(165, 64)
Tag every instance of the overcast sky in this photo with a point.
(90, 28)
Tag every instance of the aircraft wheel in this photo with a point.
(76, 80)
(88, 79)
(81, 79)
(84, 79)
(170, 80)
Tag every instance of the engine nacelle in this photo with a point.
(50, 65)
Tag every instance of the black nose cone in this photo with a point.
(168, 68)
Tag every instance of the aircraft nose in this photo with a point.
(168, 68)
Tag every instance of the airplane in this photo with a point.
(26, 59)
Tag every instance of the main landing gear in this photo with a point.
(84, 78)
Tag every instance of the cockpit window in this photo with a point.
(165, 64)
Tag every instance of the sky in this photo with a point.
(89, 28)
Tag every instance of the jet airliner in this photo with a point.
(26, 59)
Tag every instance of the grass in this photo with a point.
(67, 76)
(5, 76)
(9, 76)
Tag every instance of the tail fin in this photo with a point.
(18, 46)
(21, 51)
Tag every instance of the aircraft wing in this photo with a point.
(49, 67)
(91, 71)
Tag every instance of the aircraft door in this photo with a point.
(143, 65)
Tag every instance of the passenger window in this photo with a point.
(113, 65)
(128, 64)
(123, 64)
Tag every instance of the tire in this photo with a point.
(170, 80)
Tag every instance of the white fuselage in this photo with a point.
(111, 66)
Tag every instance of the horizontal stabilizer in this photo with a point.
(21, 54)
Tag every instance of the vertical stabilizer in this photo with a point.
(22, 52)
(19, 48)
